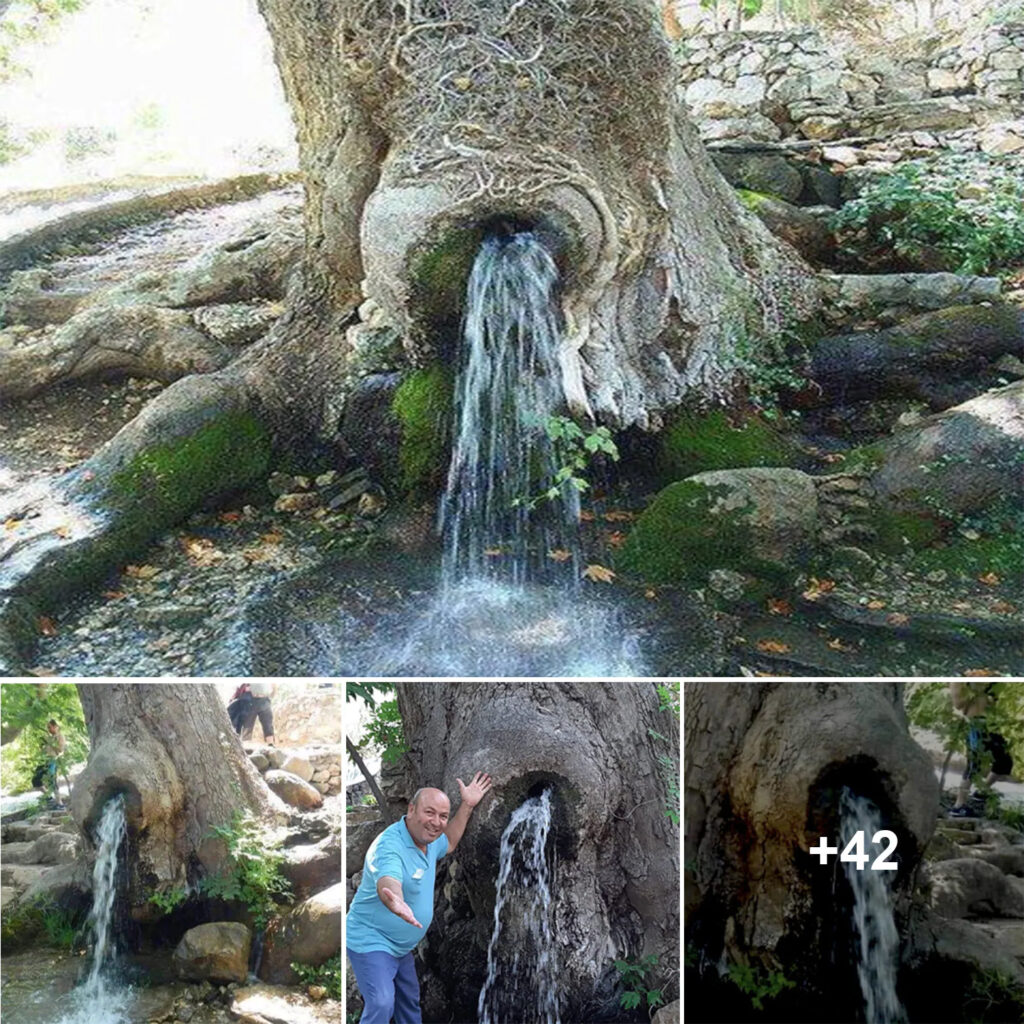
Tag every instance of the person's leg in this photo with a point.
(248, 717)
(407, 992)
(974, 739)
(266, 713)
(375, 976)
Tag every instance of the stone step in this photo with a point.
(960, 835)
(16, 853)
(21, 876)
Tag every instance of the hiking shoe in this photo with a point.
(963, 812)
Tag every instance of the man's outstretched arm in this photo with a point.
(390, 892)
(471, 796)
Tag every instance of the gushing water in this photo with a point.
(877, 938)
(98, 1001)
(505, 604)
(509, 386)
(521, 964)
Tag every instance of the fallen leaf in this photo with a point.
(38, 670)
(230, 517)
(47, 626)
(773, 647)
(834, 457)
(598, 574)
(980, 672)
(651, 595)
(587, 517)
(113, 595)
(897, 619)
(616, 539)
(141, 572)
(64, 532)
(876, 605)
(272, 538)
(493, 552)
(1003, 607)
(618, 517)
(88, 475)
(779, 606)
(990, 579)
(559, 555)
(12, 524)
(817, 588)
(835, 644)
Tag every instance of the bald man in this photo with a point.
(393, 907)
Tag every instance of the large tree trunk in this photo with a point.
(616, 875)
(421, 128)
(765, 763)
(172, 752)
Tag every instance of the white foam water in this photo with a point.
(99, 1000)
(522, 968)
(878, 941)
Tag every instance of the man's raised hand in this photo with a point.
(398, 906)
(474, 792)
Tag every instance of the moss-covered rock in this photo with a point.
(698, 442)
(760, 521)
(422, 404)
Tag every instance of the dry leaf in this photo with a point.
(779, 606)
(981, 672)
(64, 532)
(616, 539)
(876, 605)
(12, 524)
(272, 538)
(587, 517)
(141, 572)
(651, 595)
(559, 555)
(817, 588)
(598, 574)
(834, 457)
(835, 644)
(47, 626)
(618, 517)
(773, 647)
(1003, 607)
(989, 579)
(113, 595)
(230, 517)
(493, 552)
(897, 619)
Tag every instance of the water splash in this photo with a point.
(98, 1000)
(877, 938)
(508, 388)
(522, 967)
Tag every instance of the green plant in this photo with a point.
(634, 975)
(368, 800)
(756, 985)
(574, 449)
(669, 765)
(964, 206)
(327, 974)
(61, 927)
(384, 731)
(993, 996)
(254, 868)
(168, 900)
(668, 697)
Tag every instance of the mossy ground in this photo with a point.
(423, 406)
(695, 442)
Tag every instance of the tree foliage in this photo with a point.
(25, 708)
(25, 21)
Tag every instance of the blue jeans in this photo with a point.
(388, 985)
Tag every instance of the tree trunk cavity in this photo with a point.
(615, 887)
(172, 752)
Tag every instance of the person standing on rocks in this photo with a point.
(55, 746)
(238, 707)
(971, 700)
(260, 707)
(394, 905)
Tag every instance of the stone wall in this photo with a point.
(770, 86)
(320, 766)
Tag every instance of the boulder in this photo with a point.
(871, 295)
(758, 520)
(959, 941)
(55, 848)
(968, 887)
(312, 868)
(293, 790)
(308, 934)
(218, 952)
(668, 1014)
(1009, 860)
(17, 853)
(21, 876)
(357, 841)
(805, 232)
(275, 1004)
(767, 174)
(941, 113)
(298, 766)
(33, 297)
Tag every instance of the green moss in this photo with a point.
(169, 480)
(697, 442)
(422, 405)
(751, 199)
(22, 927)
(439, 274)
(683, 534)
(867, 457)
(1003, 554)
(897, 529)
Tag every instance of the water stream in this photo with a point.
(877, 939)
(510, 599)
(522, 967)
(100, 1000)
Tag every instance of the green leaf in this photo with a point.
(630, 1000)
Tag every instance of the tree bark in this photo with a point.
(172, 752)
(417, 136)
(616, 874)
(765, 763)
(382, 803)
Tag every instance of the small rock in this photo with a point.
(1010, 365)
(299, 502)
(280, 483)
(937, 576)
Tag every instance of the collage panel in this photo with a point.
(171, 852)
(854, 851)
(512, 852)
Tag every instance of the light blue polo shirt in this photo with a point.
(369, 925)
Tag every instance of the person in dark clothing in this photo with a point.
(239, 707)
(260, 708)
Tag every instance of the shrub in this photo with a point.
(327, 974)
(965, 206)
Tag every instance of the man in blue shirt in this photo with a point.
(394, 904)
